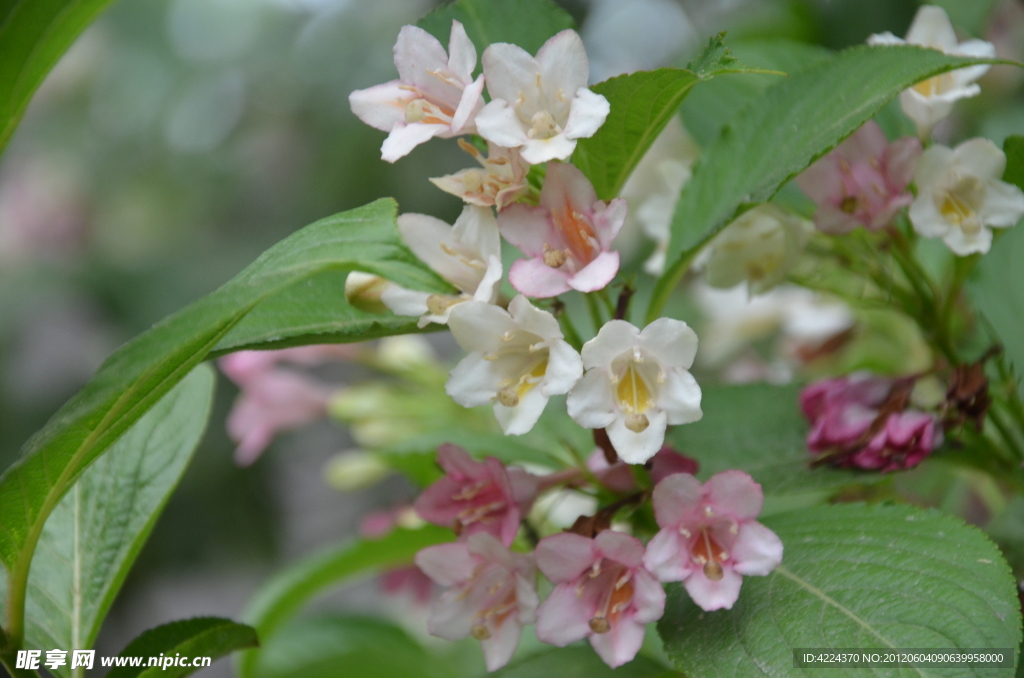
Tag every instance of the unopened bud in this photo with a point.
(554, 258)
(713, 571)
(363, 291)
(508, 397)
(600, 625)
(637, 423)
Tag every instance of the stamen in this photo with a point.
(637, 423)
(480, 632)
(508, 397)
(437, 304)
(469, 148)
(554, 258)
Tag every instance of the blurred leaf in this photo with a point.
(331, 646)
(199, 637)
(759, 429)
(779, 134)
(970, 15)
(136, 376)
(92, 538)
(853, 576)
(1008, 531)
(282, 596)
(33, 36)
(997, 292)
(527, 23)
(1014, 149)
(579, 662)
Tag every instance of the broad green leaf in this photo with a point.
(997, 292)
(854, 576)
(1014, 149)
(191, 638)
(759, 429)
(366, 647)
(136, 376)
(579, 662)
(527, 23)
(93, 536)
(283, 595)
(33, 36)
(782, 132)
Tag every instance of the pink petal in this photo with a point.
(381, 106)
(447, 564)
(470, 104)
(734, 493)
(596, 275)
(453, 614)
(563, 618)
(675, 500)
(862, 146)
(405, 137)
(565, 556)
(902, 159)
(648, 597)
(620, 644)
(528, 228)
(502, 644)
(714, 595)
(667, 556)
(620, 547)
(757, 550)
(668, 462)
(565, 185)
(461, 52)
(457, 462)
(534, 278)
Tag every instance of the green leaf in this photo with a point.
(94, 535)
(578, 662)
(364, 646)
(136, 376)
(527, 23)
(997, 292)
(759, 429)
(200, 637)
(1014, 149)
(282, 596)
(33, 36)
(853, 576)
(782, 132)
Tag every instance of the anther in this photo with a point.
(480, 632)
(554, 258)
(637, 423)
(600, 625)
(713, 571)
(508, 397)
(437, 304)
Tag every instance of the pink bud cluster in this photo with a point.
(607, 586)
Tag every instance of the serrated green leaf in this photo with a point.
(714, 58)
(759, 429)
(136, 376)
(33, 36)
(578, 662)
(94, 535)
(277, 600)
(527, 23)
(854, 576)
(781, 133)
(1013, 146)
(199, 637)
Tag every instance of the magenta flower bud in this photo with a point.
(907, 439)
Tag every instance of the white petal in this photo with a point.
(615, 338)
(637, 448)
(886, 38)
(671, 341)
(424, 235)
(461, 53)
(474, 381)
(963, 244)
(536, 151)
(924, 111)
(932, 166)
(477, 230)
(381, 106)
(417, 52)
(981, 158)
(926, 219)
(931, 28)
(500, 647)
(563, 65)
(509, 70)
(477, 326)
(591, 403)
(498, 123)
(402, 301)
(470, 104)
(679, 397)
(404, 138)
(1004, 204)
(490, 284)
(564, 370)
(757, 550)
(534, 320)
(587, 112)
(515, 421)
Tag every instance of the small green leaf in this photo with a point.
(1013, 146)
(759, 429)
(715, 59)
(94, 535)
(578, 662)
(853, 576)
(527, 23)
(282, 596)
(200, 637)
(33, 36)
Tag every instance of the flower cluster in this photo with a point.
(607, 584)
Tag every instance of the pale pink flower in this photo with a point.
(602, 592)
(709, 539)
(568, 237)
(491, 594)
(863, 182)
(477, 496)
(499, 183)
(540, 105)
(435, 94)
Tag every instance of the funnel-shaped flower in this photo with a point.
(517, 360)
(637, 383)
(709, 538)
(468, 255)
(435, 94)
(540, 105)
(602, 591)
(491, 594)
(567, 237)
(863, 182)
(499, 183)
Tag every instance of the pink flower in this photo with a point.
(477, 496)
(409, 580)
(567, 236)
(863, 421)
(863, 182)
(491, 594)
(435, 94)
(602, 591)
(709, 538)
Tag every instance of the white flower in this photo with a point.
(517, 360)
(637, 383)
(541, 106)
(468, 255)
(960, 195)
(759, 247)
(435, 94)
(501, 181)
(931, 100)
(653, 188)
